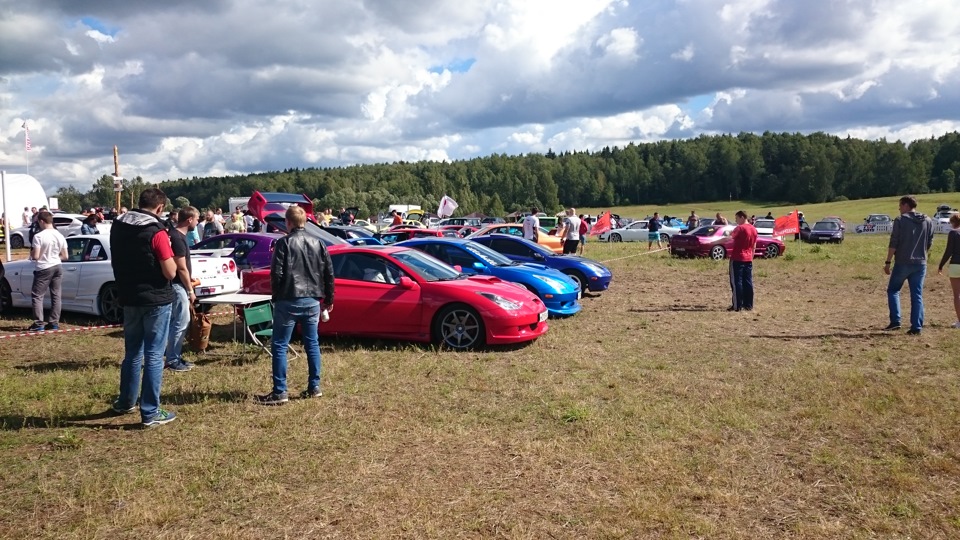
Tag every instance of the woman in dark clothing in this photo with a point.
(952, 254)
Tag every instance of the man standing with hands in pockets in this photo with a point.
(301, 279)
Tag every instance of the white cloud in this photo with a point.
(245, 86)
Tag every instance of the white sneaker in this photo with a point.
(956, 324)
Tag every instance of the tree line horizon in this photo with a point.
(770, 168)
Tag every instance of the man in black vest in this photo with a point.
(143, 266)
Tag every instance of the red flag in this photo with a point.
(788, 224)
(602, 225)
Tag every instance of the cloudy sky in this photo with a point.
(193, 88)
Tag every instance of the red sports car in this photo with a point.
(401, 293)
(714, 241)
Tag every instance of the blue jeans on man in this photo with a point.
(914, 275)
(179, 324)
(286, 314)
(145, 337)
(741, 283)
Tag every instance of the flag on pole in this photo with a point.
(447, 206)
(26, 136)
(602, 225)
(788, 224)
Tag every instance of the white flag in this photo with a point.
(447, 206)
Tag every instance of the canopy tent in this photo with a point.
(23, 191)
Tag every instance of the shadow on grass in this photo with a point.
(68, 365)
(675, 308)
(841, 335)
(193, 398)
(12, 422)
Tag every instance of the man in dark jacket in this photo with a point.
(301, 279)
(910, 243)
(143, 266)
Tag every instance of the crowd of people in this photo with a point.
(151, 262)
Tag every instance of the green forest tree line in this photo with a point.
(772, 167)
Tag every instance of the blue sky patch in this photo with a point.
(457, 66)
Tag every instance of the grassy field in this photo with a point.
(652, 414)
(852, 212)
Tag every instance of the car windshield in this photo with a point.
(486, 254)
(826, 226)
(763, 224)
(428, 268)
(703, 231)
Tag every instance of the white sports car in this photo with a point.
(636, 232)
(88, 284)
(68, 225)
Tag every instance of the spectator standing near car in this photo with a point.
(584, 231)
(741, 263)
(692, 221)
(570, 232)
(952, 255)
(653, 231)
(720, 220)
(143, 265)
(212, 227)
(910, 242)
(183, 296)
(89, 225)
(48, 249)
(301, 280)
(531, 225)
(395, 218)
(27, 215)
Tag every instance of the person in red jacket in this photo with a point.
(741, 263)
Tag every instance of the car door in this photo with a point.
(514, 249)
(77, 249)
(369, 298)
(636, 232)
(67, 226)
(457, 256)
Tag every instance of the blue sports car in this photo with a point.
(558, 292)
(591, 275)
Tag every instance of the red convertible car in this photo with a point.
(714, 241)
(401, 293)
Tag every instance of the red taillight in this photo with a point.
(233, 266)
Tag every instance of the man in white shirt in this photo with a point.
(571, 232)
(49, 248)
(26, 216)
(531, 225)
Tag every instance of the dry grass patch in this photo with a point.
(653, 413)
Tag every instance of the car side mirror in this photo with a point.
(538, 256)
(407, 283)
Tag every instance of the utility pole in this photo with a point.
(117, 179)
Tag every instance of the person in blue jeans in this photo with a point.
(184, 296)
(910, 242)
(301, 281)
(143, 266)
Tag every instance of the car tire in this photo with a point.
(616, 238)
(459, 327)
(6, 297)
(108, 302)
(16, 241)
(578, 276)
(771, 251)
(718, 253)
(664, 237)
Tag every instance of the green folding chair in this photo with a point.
(258, 321)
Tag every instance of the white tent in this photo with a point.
(23, 190)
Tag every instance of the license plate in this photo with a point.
(543, 317)
(679, 249)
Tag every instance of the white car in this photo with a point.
(67, 224)
(764, 226)
(636, 232)
(88, 284)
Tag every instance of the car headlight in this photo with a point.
(506, 304)
(554, 283)
(596, 268)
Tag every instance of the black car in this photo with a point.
(826, 231)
